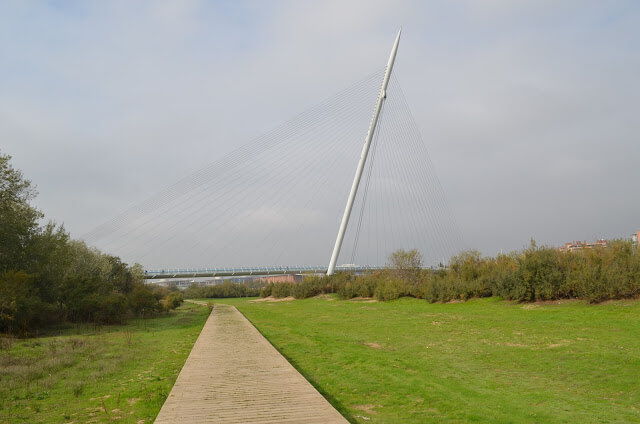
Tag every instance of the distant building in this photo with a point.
(635, 237)
(577, 245)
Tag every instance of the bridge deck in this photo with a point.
(234, 375)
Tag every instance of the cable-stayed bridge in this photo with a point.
(280, 199)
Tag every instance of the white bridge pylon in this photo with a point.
(363, 157)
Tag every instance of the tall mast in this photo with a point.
(363, 157)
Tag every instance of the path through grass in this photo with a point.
(486, 360)
(97, 374)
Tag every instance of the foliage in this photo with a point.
(18, 219)
(280, 289)
(310, 286)
(143, 302)
(174, 299)
(534, 274)
(406, 264)
(389, 289)
(220, 291)
(20, 306)
(47, 278)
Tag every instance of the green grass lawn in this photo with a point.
(97, 374)
(486, 360)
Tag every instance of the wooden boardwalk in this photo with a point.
(234, 375)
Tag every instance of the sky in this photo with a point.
(529, 109)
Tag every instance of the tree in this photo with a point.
(46, 277)
(402, 259)
(18, 219)
(21, 308)
(143, 302)
(48, 257)
(406, 263)
(467, 265)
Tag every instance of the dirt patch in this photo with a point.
(369, 409)
(373, 345)
(324, 297)
(274, 299)
(562, 343)
(558, 302)
(284, 299)
(133, 401)
(197, 302)
(620, 302)
(532, 305)
(515, 345)
(363, 299)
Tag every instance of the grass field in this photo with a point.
(486, 360)
(96, 374)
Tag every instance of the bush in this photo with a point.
(266, 290)
(226, 289)
(21, 309)
(389, 289)
(309, 287)
(111, 309)
(174, 299)
(143, 302)
(359, 286)
(282, 289)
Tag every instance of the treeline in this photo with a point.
(47, 278)
(533, 274)
(226, 289)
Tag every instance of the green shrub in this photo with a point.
(21, 309)
(359, 286)
(226, 289)
(143, 302)
(174, 299)
(311, 286)
(266, 290)
(111, 309)
(389, 289)
(282, 289)
(337, 280)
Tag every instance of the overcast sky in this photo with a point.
(529, 109)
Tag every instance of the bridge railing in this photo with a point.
(239, 271)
